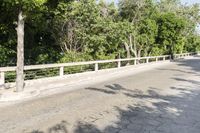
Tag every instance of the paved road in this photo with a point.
(163, 100)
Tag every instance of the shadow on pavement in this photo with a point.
(178, 113)
(167, 114)
(58, 128)
(192, 64)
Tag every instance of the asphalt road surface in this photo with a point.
(162, 100)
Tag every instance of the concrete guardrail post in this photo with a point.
(2, 79)
(61, 71)
(156, 59)
(164, 58)
(147, 60)
(135, 61)
(96, 66)
(119, 64)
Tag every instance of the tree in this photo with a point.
(170, 29)
(23, 7)
(137, 12)
(87, 27)
(189, 13)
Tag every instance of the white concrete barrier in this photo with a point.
(61, 67)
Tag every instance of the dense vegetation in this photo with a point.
(77, 30)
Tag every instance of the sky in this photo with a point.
(183, 1)
(189, 1)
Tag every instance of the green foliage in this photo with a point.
(170, 29)
(74, 57)
(156, 51)
(6, 57)
(23, 4)
(70, 31)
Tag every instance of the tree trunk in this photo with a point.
(133, 50)
(20, 53)
(139, 55)
(128, 53)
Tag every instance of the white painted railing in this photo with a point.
(177, 56)
(61, 67)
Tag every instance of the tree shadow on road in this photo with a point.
(163, 113)
(101, 90)
(154, 112)
(166, 114)
(192, 64)
(58, 128)
(113, 89)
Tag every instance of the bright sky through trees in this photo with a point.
(183, 1)
(190, 1)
